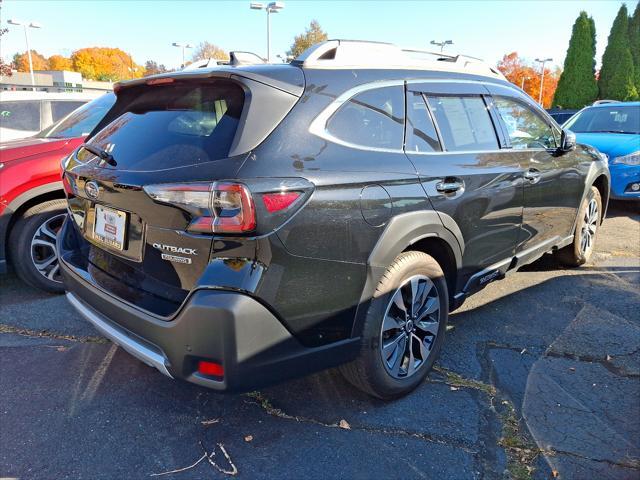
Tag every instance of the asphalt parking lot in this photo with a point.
(539, 377)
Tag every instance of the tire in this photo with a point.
(587, 226)
(375, 371)
(32, 245)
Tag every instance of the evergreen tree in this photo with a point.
(577, 86)
(634, 45)
(616, 75)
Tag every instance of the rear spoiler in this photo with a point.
(284, 77)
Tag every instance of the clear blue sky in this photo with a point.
(146, 28)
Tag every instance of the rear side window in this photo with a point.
(23, 116)
(526, 129)
(371, 119)
(63, 108)
(421, 133)
(173, 126)
(464, 123)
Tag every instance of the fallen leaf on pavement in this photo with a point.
(454, 388)
(248, 438)
(210, 422)
(344, 424)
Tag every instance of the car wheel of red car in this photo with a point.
(32, 245)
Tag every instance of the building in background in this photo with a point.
(55, 81)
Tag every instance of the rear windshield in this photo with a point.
(81, 121)
(613, 119)
(168, 126)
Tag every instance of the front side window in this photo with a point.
(82, 121)
(20, 115)
(421, 133)
(526, 129)
(610, 119)
(372, 119)
(464, 123)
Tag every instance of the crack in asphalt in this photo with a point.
(606, 363)
(259, 399)
(633, 464)
(619, 371)
(26, 332)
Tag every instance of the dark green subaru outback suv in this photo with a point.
(242, 224)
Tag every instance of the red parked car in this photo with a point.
(32, 205)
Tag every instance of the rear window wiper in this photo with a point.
(99, 152)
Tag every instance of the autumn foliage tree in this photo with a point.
(577, 86)
(21, 61)
(105, 64)
(312, 35)
(205, 50)
(151, 67)
(58, 62)
(5, 69)
(520, 73)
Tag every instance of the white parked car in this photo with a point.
(25, 113)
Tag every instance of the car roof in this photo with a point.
(615, 104)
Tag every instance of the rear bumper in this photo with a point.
(228, 328)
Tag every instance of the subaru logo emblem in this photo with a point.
(91, 189)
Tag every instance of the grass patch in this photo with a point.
(455, 380)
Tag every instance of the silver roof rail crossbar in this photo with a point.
(236, 58)
(364, 54)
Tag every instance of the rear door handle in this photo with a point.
(449, 185)
(533, 175)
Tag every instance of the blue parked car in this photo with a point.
(614, 129)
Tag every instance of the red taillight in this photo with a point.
(233, 208)
(275, 202)
(210, 369)
(220, 207)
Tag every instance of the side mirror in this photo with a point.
(567, 140)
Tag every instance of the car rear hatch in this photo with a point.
(141, 190)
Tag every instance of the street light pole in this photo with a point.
(442, 44)
(183, 46)
(522, 83)
(270, 8)
(268, 36)
(26, 25)
(543, 61)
